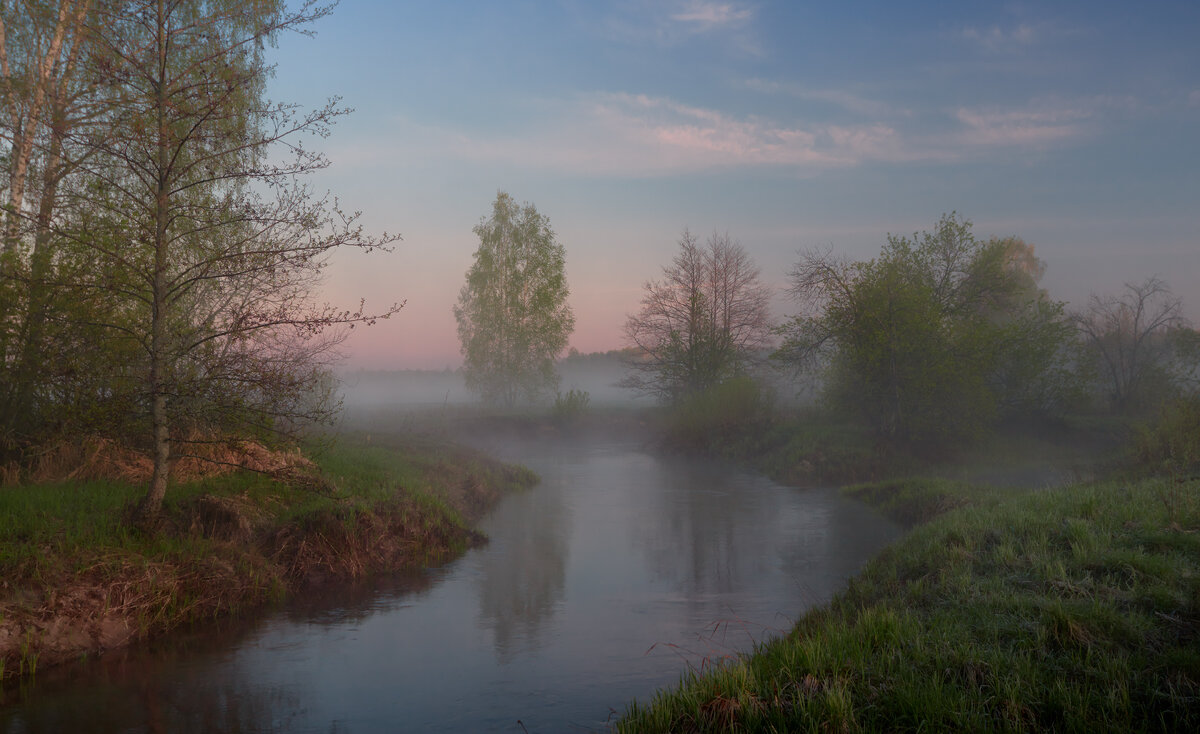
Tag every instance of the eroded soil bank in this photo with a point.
(75, 580)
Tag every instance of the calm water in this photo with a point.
(620, 571)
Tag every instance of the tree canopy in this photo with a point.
(933, 339)
(512, 312)
(164, 266)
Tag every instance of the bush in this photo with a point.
(722, 417)
(570, 406)
(1171, 442)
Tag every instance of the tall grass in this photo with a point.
(1075, 609)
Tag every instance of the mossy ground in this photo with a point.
(76, 577)
(1070, 609)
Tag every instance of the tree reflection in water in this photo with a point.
(146, 701)
(522, 578)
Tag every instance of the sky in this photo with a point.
(789, 125)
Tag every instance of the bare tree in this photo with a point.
(702, 323)
(820, 280)
(1130, 338)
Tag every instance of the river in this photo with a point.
(620, 571)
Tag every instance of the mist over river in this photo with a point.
(618, 572)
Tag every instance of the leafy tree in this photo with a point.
(49, 97)
(222, 243)
(173, 234)
(1141, 344)
(512, 312)
(702, 323)
(933, 339)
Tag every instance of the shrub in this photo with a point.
(569, 406)
(721, 417)
(1172, 441)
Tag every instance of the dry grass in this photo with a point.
(99, 458)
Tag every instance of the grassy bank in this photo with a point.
(1071, 609)
(76, 579)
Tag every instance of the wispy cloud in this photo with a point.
(842, 99)
(665, 135)
(676, 22)
(636, 135)
(1038, 125)
(996, 39)
(703, 15)
(619, 134)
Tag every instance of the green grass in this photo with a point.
(813, 447)
(232, 542)
(917, 500)
(1075, 609)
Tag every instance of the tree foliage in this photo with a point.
(933, 339)
(182, 247)
(512, 312)
(702, 324)
(50, 99)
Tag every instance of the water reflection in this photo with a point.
(175, 692)
(701, 534)
(204, 709)
(523, 575)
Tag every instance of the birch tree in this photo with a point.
(512, 313)
(206, 240)
(49, 94)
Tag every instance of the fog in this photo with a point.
(424, 390)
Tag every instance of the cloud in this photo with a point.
(670, 24)
(617, 134)
(620, 134)
(995, 39)
(845, 100)
(662, 134)
(705, 16)
(1038, 126)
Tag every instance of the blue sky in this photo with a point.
(790, 125)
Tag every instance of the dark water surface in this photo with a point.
(616, 574)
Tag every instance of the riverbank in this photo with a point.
(814, 446)
(75, 580)
(1076, 608)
